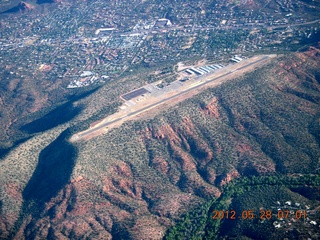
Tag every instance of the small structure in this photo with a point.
(203, 69)
(196, 71)
(86, 74)
(134, 94)
(235, 60)
(213, 67)
(163, 22)
(103, 30)
(238, 58)
(189, 71)
(277, 224)
(207, 68)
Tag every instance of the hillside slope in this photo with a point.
(135, 181)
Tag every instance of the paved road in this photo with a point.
(90, 131)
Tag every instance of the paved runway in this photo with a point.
(94, 129)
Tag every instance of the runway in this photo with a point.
(201, 83)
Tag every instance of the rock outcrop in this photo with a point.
(135, 181)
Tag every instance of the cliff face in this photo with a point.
(135, 181)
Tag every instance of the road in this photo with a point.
(98, 127)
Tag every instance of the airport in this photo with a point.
(151, 95)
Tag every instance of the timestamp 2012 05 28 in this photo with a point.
(263, 214)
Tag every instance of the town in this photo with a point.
(108, 41)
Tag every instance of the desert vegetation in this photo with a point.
(241, 195)
(142, 178)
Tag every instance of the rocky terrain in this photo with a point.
(136, 181)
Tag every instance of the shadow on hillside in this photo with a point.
(55, 166)
(53, 171)
(60, 115)
(76, 97)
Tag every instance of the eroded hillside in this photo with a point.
(135, 181)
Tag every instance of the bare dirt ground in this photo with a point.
(157, 104)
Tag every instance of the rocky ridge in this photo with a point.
(135, 182)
